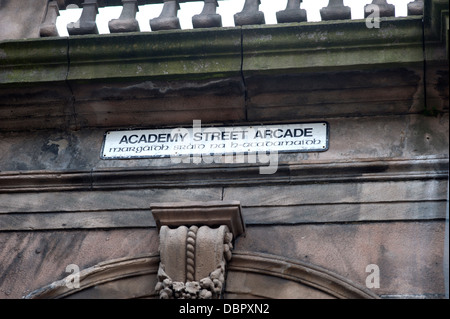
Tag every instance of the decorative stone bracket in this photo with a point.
(196, 240)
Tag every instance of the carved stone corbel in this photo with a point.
(196, 240)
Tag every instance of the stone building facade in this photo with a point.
(364, 217)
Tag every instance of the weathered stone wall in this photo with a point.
(377, 196)
(21, 19)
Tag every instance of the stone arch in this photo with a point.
(124, 278)
(250, 275)
(257, 275)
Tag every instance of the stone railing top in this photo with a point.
(38, 18)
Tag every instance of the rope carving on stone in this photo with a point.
(190, 253)
(210, 287)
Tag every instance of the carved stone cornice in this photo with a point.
(123, 73)
(137, 178)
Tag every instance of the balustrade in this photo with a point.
(207, 18)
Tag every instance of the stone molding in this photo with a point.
(302, 273)
(307, 274)
(99, 274)
(212, 214)
(78, 72)
(235, 175)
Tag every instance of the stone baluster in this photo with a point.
(208, 18)
(48, 26)
(86, 24)
(385, 9)
(336, 11)
(292, 13)
(250, 14)
(127, 21)
(415, 8)
(168, 19)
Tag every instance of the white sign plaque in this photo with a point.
(198, 140)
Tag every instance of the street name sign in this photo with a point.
(198, 140)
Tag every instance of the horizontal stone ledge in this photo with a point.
(338, 193)
(345, 212)
(100, 201)
(223, 175)
(252, 216)
(76, 220)
(212, 52)
(192, 54)
(331, 46)
(165, 54)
